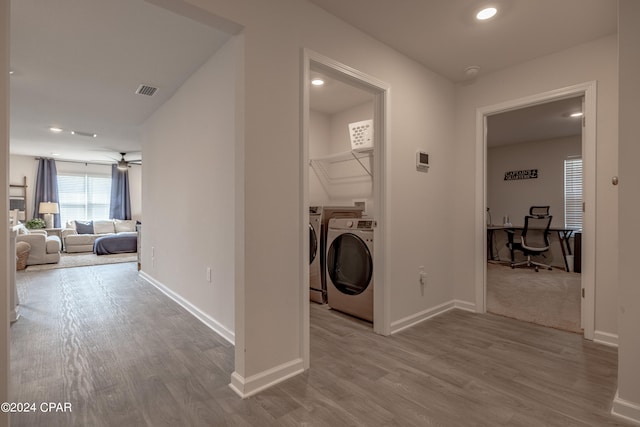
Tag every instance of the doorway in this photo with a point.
(374, 93)
(588, 91)
(534, 158)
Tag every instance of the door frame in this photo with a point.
(314, 61)
(589, 91)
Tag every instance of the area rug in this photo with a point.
(548, 298)
(84, 259)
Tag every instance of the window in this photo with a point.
(573, 192)
(84, 197)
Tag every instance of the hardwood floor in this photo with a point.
(123, 355)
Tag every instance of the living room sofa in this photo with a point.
(45, 249)
(80, 236)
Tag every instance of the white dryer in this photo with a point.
(316, 293)
(349, 266)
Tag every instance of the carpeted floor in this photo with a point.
(548, 298)
(84, 259)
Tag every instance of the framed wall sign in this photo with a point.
(521, 174)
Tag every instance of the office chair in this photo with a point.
(539, 210)
(534, 240)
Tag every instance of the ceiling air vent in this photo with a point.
(146, 90)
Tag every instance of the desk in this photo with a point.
(564, 234)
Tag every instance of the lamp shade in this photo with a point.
(48, 208)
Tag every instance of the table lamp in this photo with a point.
(48, 209)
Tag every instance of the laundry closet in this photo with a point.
(342, 207)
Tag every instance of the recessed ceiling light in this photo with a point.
(11, 72)
(578, 114)
(55, 154)
(486, 13)
(55, 129)
(317, 82)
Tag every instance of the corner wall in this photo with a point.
(418, 219)
(627, 401)
(189, 193)
(596, 60)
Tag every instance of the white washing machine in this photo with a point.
(316, 293)
(349, 266)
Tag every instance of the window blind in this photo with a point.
(83, 197)
(573, 193)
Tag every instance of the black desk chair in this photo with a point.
(534, 240)
(539, 210)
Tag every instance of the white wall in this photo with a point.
(514, 197)
(419, 224)
(329, 135)
(21, 166)
(188, 191)
(627, 401)
(319, 137)
(591, 61)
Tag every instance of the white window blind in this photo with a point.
(84, 197)
(573, 193)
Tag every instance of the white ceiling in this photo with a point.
(335, 96)
(536, 123)
(78, 72)
(445, 37)
(77, 64)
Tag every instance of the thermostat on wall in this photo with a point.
(422, 161)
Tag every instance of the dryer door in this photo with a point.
(313, 244)
(349, 264)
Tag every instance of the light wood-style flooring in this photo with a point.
(123, 355)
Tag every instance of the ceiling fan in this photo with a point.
(123, 163)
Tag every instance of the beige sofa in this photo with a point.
(83, 242)
(45, 249)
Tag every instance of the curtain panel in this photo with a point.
(46, 188)
(120, 206)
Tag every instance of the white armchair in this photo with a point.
(45, 249)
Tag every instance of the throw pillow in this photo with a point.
(84, 227)
(124, 225)
(103, 226)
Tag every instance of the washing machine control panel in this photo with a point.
(365, 224)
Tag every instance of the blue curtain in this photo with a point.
(46, 187)
(120, 206)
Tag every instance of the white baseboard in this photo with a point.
(464, 305)
(414, 319)
(246, 387)
(624, 409)
(199, 314)
(605, 338)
